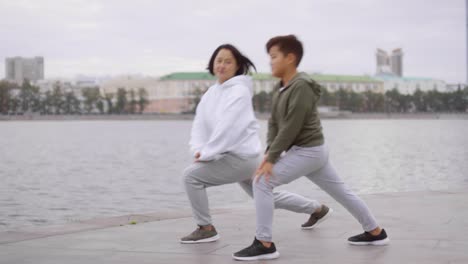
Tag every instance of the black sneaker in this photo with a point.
(317, 218)
(257, 251)
(200, 236)
(366, 238)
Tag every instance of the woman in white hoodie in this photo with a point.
(225, 142)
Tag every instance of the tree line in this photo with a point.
(27, 98)
(389, 102)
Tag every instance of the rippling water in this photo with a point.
(58, 172)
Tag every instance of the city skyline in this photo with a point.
(156, 38)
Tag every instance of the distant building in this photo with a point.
(51, 84)
(383, 62)
(396, 62)
(356, 83)
(390, 72)
(408, 85)
(389, 64)
(17, 69)
(179, 90)
(452, 87)
(162, 99)
(175, 93)
(89, 81)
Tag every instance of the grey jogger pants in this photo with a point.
(233, 169)
(313, 163)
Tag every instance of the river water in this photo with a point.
(58, 172)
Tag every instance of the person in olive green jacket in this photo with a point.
(295, 148)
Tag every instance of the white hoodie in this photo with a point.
(225, 121)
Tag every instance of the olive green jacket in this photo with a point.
(294, 117)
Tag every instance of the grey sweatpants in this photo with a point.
(313, 163)
(233, 169)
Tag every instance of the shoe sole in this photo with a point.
(274, 255)
(205, 240)
(330, 211)
(382, 242)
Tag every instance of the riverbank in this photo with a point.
(261, 116)
(424, 227)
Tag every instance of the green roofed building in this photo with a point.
(409, 85)
(265, 82)
(191, 76)
(357, 83)
(179, 92)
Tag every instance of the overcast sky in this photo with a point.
(158, 37)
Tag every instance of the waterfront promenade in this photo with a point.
(424, 227)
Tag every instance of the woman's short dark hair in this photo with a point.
(287, 44)
(242, 61)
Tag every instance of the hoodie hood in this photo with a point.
(239, 80)
(302, 76)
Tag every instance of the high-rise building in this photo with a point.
(390, 64)
(18, 69)
(383, 63)
(396, 62)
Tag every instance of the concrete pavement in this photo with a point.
(424, 227)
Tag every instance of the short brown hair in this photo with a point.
(287, 44)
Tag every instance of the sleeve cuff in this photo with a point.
(272, 159)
